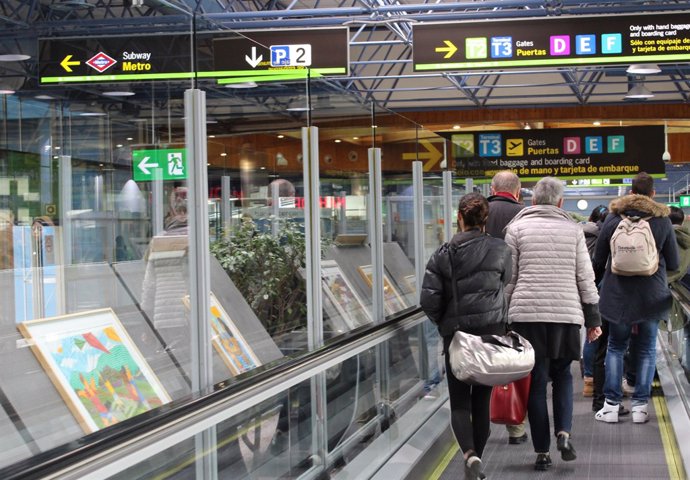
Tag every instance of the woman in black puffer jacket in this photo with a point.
(480, 266)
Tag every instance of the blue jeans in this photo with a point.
(432, 338)
(588, 351)
(644, 361)
(558, 370)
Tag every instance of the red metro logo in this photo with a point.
(101, 62)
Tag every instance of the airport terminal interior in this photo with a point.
(245, 195)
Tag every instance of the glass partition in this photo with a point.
(154, 250)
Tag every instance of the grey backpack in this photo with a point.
(633, 248)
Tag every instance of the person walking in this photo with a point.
(551, 294)
(634, 302)
(591, 228)
(476, 267)
(503, 206)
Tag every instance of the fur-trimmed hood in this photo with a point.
(640, 203)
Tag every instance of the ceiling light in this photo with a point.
(337, 140)
(528, 126)
(297, 109)
(119, 145)
(92, 114)
(44, 97)
(211, 136)
(639, 91)
(643, 69)
(281, 136)
(13, 57)
(456, 127)
(355, 138)
(242, 85)
(129, 139)
(6, 91)
(223, 154)
(118, 93)
(596, 123)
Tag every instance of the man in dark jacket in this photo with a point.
(503, 206)
(638, 301)
(503, 202)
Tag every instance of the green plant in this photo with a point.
(266, 270)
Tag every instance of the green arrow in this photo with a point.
(450, 49)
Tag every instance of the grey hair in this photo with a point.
(505, 181)
(547, 191)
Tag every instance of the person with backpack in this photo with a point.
(463, 289)
(635, 248)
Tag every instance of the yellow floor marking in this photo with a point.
(445, 461)
(674, 461)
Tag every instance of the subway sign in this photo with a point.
(566, 153)
(552, 42)
(112, 59)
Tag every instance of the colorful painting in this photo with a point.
(392, 301)
(228, 341)
(339, 293)
(95, 366)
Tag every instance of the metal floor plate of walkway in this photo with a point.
(604, 451)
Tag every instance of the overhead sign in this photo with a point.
(566, 153)
(169, 164)
(323, 50)
(564, 41)
(684, 201)
(131, 58)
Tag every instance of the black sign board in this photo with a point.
(322, 49)
(566, 153)
(132, 58)
(550, 42)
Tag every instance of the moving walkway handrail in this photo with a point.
(110, 451)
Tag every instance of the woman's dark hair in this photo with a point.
(676, 216)
(599, 214)
(474, 209)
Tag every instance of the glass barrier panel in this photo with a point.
(275, 438)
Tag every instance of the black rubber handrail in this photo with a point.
(81, 450)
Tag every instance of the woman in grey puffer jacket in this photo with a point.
(463, 290)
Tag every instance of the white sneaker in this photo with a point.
(639, 414)
(608, 414)
(628, 390)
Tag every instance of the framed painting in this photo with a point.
(228, 340)
(339, 293)
(95, 366)
(392, 301)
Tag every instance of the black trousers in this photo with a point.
(469, 410)
(598, 369)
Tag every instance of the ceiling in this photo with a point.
(380, 46)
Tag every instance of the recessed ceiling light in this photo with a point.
(119, 93)
(337, 140)
(223, 154)
(44, 97)
(456, 127)
(297, 109)
(7, 91)
(57, 148)
(13, 57)
(119, 145)
(211, 136)
(596, 123)
(281, 136)
(129, 139)
(92, 114)
(355, 138)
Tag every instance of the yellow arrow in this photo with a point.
(66, 64)
(450, 49)
(432, 154)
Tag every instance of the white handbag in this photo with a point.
(490, 359)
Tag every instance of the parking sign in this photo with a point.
(291, 55)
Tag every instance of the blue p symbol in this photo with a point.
(280, 55)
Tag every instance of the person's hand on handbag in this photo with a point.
(593, 333)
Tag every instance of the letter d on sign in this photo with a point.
(560, 45)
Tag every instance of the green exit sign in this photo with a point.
(684, 201)
(673, 204)
(170, 164)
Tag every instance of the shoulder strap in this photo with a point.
(453, 282)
